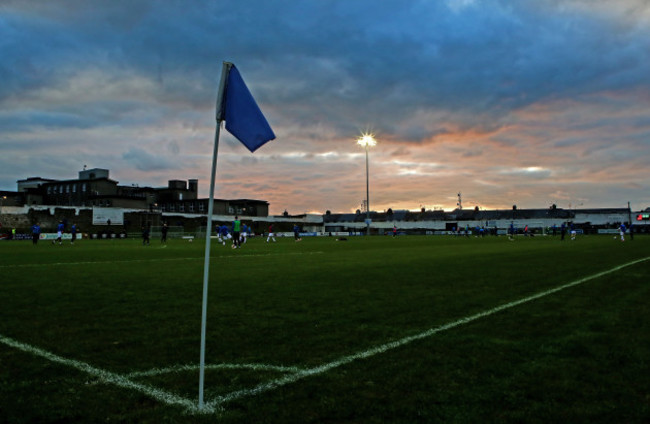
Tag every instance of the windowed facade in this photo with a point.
(88, 191)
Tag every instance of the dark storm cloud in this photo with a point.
(479, 61)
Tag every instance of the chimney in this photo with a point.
(194, 186)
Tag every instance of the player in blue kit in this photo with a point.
(36, 233)
(73, 232)
(59, 233)
(223, 234)
(622, 229)
(244, 234)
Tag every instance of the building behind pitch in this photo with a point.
(94, 187)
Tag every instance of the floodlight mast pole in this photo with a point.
(367, 195)
(208, 230)
(367, 140)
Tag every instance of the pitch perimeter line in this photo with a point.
(234, 256)
(264, 387)
(109, 377)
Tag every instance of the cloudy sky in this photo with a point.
(508, 102)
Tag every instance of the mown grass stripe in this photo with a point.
(234, 256)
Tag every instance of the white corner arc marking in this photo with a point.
(107, 376)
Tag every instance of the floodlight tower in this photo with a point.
(367, 140)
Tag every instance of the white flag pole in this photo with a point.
(208, 230)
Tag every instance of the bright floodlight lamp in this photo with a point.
(367, 140)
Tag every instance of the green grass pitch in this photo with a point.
(369, 330)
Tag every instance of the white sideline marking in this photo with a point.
(264, 387)
(109, 377)
(191, 367)
(234, 256)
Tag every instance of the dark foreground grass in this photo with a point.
(578, 355)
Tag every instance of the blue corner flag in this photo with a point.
(244, 119)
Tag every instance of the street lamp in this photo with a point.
(367, 140)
